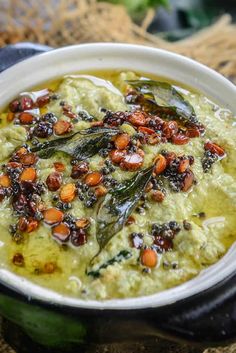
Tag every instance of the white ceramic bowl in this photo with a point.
(57, 63)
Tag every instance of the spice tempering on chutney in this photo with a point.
(103, 180)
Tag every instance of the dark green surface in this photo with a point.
(185, 17)
(42, 326)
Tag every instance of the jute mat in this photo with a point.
(64, 22)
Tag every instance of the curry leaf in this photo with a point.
(122, 255)
(164, 97)
(118, 205)
(81, 145)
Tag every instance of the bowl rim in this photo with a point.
(207, 278)
(167, 56)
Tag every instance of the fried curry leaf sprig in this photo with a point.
(118, 204)
(122, 255)
(163, 97)
(80, 145)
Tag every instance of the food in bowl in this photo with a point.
(115, 185)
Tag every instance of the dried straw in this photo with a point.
(65, 22)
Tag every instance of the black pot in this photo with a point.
(206, 319)
(33, 325)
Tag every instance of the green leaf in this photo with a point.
(118, 204)
(163, 97)
(122, 255)
(81, 145)
(139, 5)
(138, 8)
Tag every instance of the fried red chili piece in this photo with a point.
(28, 159)
(188, 180)
(160, 164)
(170, 128)
(27, 225)
(138, 118)
(193, 132)
(117, 155)
(54, 181)
(183, 165)
(78, 237)
(180, 139)
(214, 148)
(21, 104)
(61, 232)
(43, 100)
(67, 111)
(132, 162)
(62, 127)
(146, 130)
(122, 141)
(79, 170)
